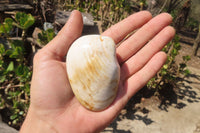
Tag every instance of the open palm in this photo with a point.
(53, 104)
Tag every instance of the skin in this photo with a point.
(54, 108)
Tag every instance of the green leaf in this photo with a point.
(2, 30)
(16, 43)
(2, 78)
(16, 103)
(14, 116)
(10, 67)
(9, 52)
(15, 121)
(163, 71)
(8, 21)
(27, 88)
(177, 46)
(46, 36)
(29, 22)
(165, 66)
(17, 50)
(50, 34)
(1, 64)
(18, 16)
(186, 58)
(182, 65)
(174, 52)
(186, 72)
(6, 27)
(24, 21)
(19, 70)
(2, 102)
(2, 49)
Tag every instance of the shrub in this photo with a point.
(170, 72)
(46, 36)
(15, 73)
(106, 11)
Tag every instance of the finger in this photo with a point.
(71, 31)
(142, 36)
(136, 62)
(139, 79)
(120, 30)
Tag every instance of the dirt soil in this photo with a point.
(177, 110)
(186, 40)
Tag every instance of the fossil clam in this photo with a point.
(93, 71)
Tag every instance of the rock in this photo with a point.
(10, 7)
(16, 2)
(47, 26)
(4, 128)
(195, 10)
(4, 1)
(61, 18)
(90, 27)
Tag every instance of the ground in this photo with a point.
(177, 110)
(187, 39)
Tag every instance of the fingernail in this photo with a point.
(72, 13)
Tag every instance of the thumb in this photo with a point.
(66, 36)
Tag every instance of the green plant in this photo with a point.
(170, 71)
(15, 73)
(46, 36)
(192, 24)
(15, 78)
(21, 20)
(6, 27)
(106, 11)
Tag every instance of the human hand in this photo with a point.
(54, 108)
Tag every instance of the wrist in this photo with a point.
(33, 124)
